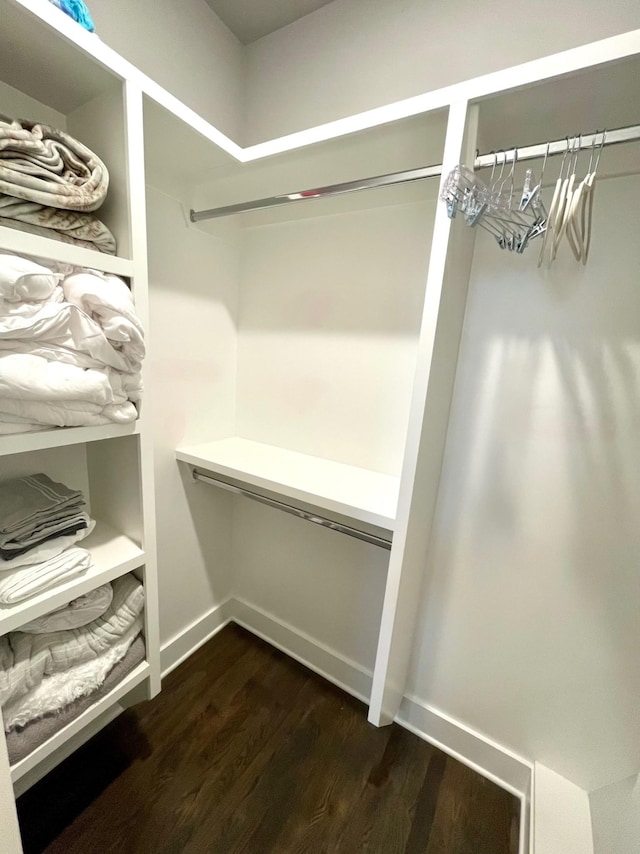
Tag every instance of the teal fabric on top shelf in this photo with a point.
(77, 10)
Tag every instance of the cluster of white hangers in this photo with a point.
(571, 210)
(515, 217)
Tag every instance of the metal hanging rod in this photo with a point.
(295, 511)
(482, 161)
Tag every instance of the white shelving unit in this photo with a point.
(63, 85)
(318, 342)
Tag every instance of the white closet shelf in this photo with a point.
(19, 443)
(113, 555)
(360, 494)
(23, 243)
(107, 703)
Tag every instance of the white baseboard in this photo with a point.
(492, 760)
(178, 648)
(326, 662)
(497, 763)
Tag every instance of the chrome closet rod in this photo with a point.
(295, 511)
(482, 161)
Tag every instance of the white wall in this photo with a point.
(529, 625)
(615, 816)
(352, 55)
(185, 47)
(193, 308)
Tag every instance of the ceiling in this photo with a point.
(249, 20)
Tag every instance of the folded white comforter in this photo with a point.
(26, 659)
(20, 584)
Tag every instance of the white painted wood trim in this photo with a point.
(486, 756)
(443, 311)
(326, 662)
(183, 644)
(561, 815)
(9, 829)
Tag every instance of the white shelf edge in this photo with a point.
(194, 455)
(58, 437)
(22, 243)
(131, 681)
(128, 556)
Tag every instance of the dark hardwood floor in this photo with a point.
(247, 751)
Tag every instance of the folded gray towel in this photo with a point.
(32, 500)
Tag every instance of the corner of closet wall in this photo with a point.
(47, 80)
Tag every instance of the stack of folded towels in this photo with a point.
(40, 523)
(71, 347)
(58, 665)
(50, 183)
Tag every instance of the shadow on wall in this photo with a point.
(530, 626)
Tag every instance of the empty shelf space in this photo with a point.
(106, 704)
(23, 243)
(359, 494)
(113, 555)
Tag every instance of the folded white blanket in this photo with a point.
(7, 429)
(19, 584)
(24, 280)
(57, 691)
(63, 414)
(27, 377)
(66, 326)
(47, 550)
(75, 614)
(26, 659)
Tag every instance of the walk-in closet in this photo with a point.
(368, 443)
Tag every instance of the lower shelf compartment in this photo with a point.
(113, 555)
(69, 738)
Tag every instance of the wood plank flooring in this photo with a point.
(247, 752)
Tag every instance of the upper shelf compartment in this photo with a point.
(54, 82)
(53, 71)
(564, 107)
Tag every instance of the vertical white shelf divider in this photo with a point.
(137, 213)
(10, 842)
(442, 318)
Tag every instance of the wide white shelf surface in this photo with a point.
(360, 494)
(113, 555)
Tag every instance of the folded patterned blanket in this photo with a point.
(75, 614)
(28, 581)
(45, 165)
(85, 228)
(25, 660)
